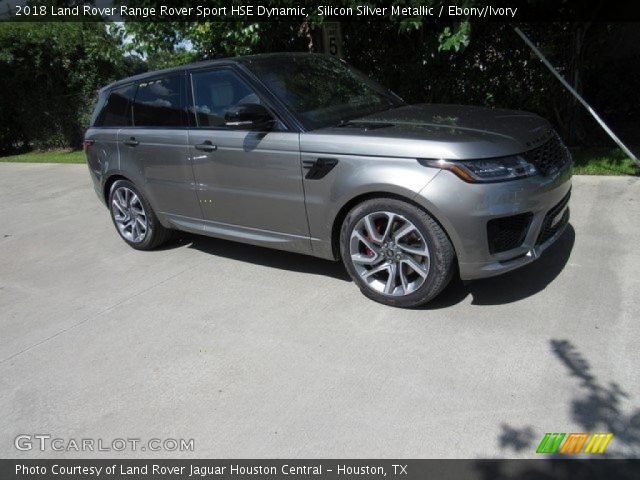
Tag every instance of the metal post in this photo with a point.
(551, 68)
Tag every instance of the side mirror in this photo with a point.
(248, 116)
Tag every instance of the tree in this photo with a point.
(49, 74)
(225, 37)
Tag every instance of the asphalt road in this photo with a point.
(258, 353)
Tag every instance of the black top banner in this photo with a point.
(344, 11)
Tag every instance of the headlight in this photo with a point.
(485, 170)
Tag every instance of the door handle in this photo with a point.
(132, 142)
(207, 146)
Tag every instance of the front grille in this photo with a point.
(547, 230)
(507, 233)
(550, 157)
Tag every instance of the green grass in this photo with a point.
(587, 161)
(603, 161)
(50, 156)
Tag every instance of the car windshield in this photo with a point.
(322, 91)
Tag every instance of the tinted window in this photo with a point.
(116, 111)
(214, 92)
(160, 103)
(321, 90)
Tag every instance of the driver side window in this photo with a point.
(215, 92)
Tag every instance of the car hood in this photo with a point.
(434, 131)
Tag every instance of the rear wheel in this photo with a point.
(134, 218)
(396, 252)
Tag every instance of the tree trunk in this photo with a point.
(575, 131)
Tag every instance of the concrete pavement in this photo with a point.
(259, 353)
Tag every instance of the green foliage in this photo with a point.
(244, 37)
(49, 73)
(163, 59)
(454, 39)
(164, 43)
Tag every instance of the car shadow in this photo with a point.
(267, 257)
(513, 286)
(507, 288)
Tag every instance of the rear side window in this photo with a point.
(117, 109)
(161, 103)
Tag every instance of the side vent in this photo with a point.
(317, 169)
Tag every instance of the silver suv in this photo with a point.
(300, 152)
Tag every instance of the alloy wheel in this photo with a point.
(129, 215)
(389, 253)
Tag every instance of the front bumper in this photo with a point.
(464, 211)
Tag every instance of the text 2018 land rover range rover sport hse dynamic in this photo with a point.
(302, 153)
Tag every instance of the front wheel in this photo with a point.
(134, 218)
(396, 252)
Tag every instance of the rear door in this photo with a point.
(247, 179)
(156, 147)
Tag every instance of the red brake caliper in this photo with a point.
(367, 250)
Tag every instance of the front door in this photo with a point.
(249, 182)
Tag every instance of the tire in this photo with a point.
(419, 248)
(126, 204)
